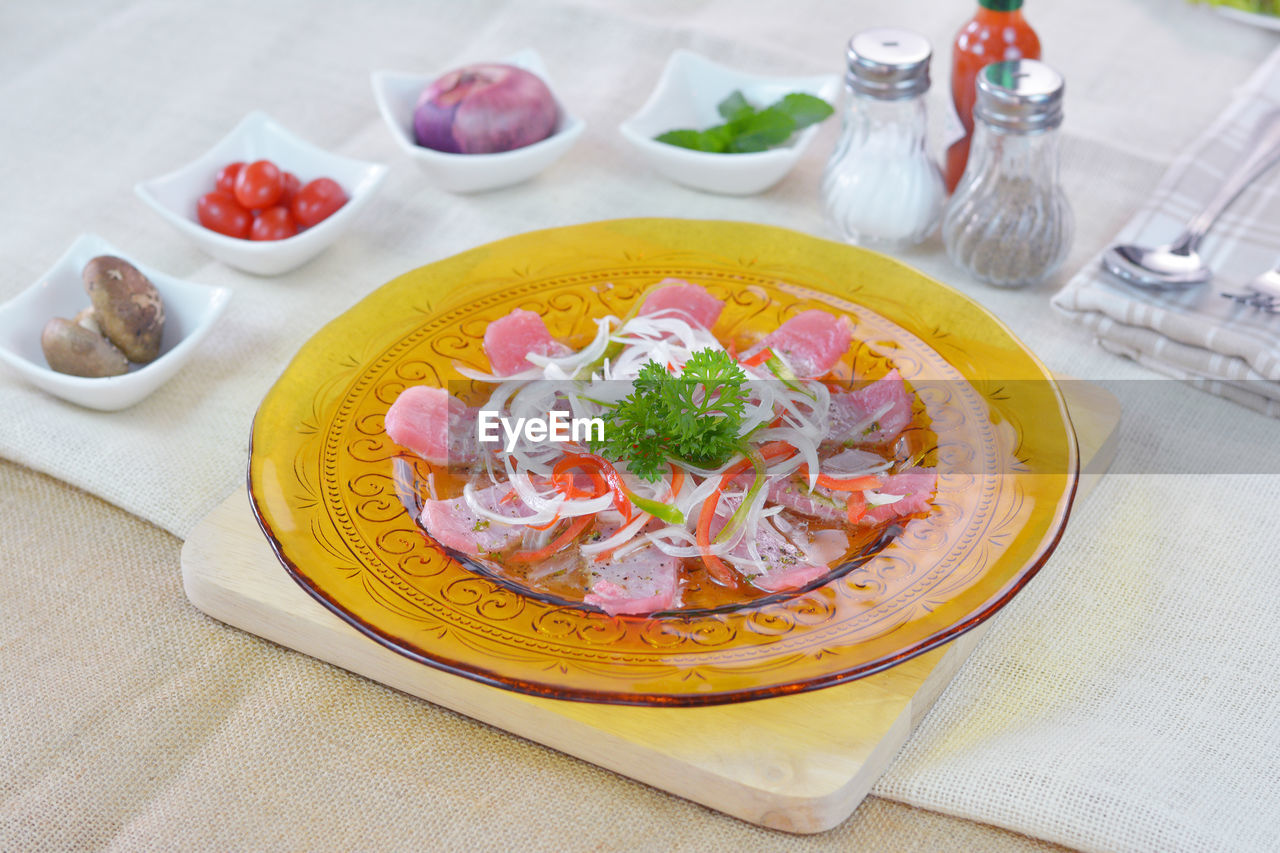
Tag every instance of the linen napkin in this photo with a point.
(1219, 344)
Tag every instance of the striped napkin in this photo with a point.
(1216, 343)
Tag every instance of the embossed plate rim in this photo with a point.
(469, 669)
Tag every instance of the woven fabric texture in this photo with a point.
(131, 721)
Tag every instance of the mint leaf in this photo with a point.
(682, 138)
(735, 107)
(762, 131)
(804, 109)
(716, 139)
(747, 129)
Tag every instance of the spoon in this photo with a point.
(1176, 265)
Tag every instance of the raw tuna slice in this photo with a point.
(823, 503)
(916, 485)
(435, 425)
(873, 414)
(690, 299)
(790, 576)
(508, 342)
(793, 493)
(455, 525)
(811, 342)
(786, 566)
(642, 581)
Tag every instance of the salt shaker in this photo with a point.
(880, 186)
(1009, 223)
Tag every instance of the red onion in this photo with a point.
(481, 109)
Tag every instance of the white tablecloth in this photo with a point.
(1126, 700)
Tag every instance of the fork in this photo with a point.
(1263, 293)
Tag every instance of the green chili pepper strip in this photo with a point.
(667, 513)
(740, 514)
(779, 369)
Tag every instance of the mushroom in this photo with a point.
(88, 319)
(127, 307)
(71, 348)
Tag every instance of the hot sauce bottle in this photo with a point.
(996, 33)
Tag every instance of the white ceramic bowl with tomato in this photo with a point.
(397, 94)
(686, 96)
(257, 137)
(190, 310)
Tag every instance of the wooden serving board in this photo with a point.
(800, 763)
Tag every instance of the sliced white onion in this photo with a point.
(621, 537)
(538, 518)
(634, 545)
(869, 421)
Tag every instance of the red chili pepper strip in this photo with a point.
(677, 480)
(732, 471)
(853, 484)
(776, 448)
(857, 507)
(566, 486)
(715, 566)
(572, 532)
(592, 462)
(767, 451)
(759, 358)
(550, 524)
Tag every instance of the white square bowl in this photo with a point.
(397, 95)
(190, 311)
(258, 137)
(686, 97)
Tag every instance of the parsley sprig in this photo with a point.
(693, 417)
(747, 129)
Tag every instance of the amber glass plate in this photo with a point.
(321, 469)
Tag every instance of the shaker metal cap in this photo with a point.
(888, 63)
(1021, 95)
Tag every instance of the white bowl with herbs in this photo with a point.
(721, 130)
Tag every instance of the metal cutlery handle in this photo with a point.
(1263, 154)
(1258, 301)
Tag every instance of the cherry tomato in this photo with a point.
(291, 187)
(274, 223)
(259, 185)
(221, 212)
(317, 201)
(227, 177)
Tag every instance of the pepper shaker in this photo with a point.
(880, 186)
(1009, 223)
